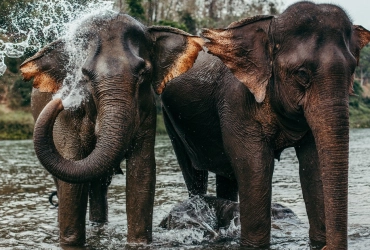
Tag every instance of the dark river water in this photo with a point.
(28, 221)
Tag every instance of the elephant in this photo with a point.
(126, 64)
(210, 214)
(266, 83)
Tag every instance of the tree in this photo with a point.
(363, 70)
(20, 94)
(189, 22)
(136, 9)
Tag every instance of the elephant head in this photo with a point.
(301, 64)
(124, 60)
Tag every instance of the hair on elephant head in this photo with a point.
(276, 82)
(122, 62)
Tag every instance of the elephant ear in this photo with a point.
(360, 37)
(46, 67)
(174, 53)
(244, 48)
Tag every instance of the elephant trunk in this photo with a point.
(113, 137)
(330, 127)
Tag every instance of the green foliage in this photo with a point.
(357, 88)
(6, 7)
(173, 24)
(136, 9)
(20, 94)
(161, 128)
(16, 125)
(359, 113)
(359, 108)
(363, 69)
(189, 22)
(13, 64)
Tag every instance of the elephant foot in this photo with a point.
(72, 238)
(67, 247)
(317, 244)
(138, 242)
(248, 246)
(98, 215)
(279, 211)
(135, 246)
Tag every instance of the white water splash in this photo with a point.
(72, 93)
(44, 21)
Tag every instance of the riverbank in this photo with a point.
(15, 125)
(18, 124)
(359, 114)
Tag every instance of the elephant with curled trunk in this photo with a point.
(286, 83)
(124, 62)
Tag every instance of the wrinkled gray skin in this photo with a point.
(83, 147)
(74, 138)
(286, 83)
(210, 214)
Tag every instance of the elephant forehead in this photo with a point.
(109, 25)
(307, 17)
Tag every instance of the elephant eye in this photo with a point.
(303, 77)
(90, 74)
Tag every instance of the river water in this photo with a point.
(28, 221)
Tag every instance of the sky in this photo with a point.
(358, 10)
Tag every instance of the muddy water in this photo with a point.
(27, 221)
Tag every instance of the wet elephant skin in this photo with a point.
(83, 147)
(266, 83)
(210, 214)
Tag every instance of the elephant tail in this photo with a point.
(54, 193)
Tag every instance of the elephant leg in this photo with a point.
(196, 180)
(140, 188)
(72, 212)
(226, 188)
(253, 164)
(312, 188)
(57, 187)
(98, 200)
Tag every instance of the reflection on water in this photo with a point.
(29, 221)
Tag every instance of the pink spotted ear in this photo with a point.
(175, 52)
(46, 67)
(244, 48)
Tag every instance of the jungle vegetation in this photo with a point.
(16, 121)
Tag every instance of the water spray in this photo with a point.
(44, 21)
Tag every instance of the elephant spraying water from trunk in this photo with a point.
(124, 61)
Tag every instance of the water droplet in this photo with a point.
(46, 21)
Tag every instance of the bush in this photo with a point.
(174, 24)
(16, 125)
(354, 101)
(357, 88)
(20, 94)
(161, 128)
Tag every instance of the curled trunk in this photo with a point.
(107, 154)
